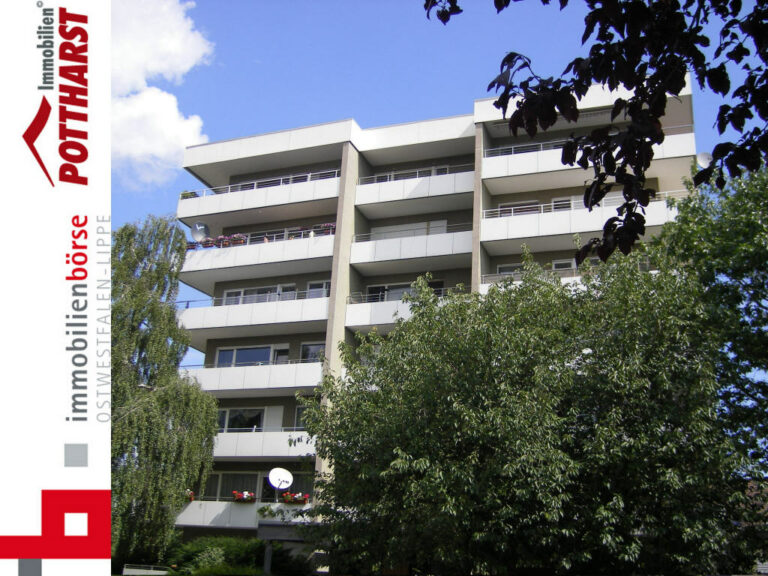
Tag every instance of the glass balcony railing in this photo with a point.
(270, 182)
(265, 237)
(423, 230)
(565, 205)
(255, 298)
(427, 172)
(394, 296)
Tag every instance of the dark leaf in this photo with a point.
(618, 106)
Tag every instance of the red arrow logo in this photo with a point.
(34, 130)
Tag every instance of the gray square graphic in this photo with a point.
(33, 567)
(75, 455)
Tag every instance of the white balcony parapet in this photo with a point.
(223, 514)
(364, 310)
(426, 185)
(529, 158)
(559, 218)
(415, 243)
(257, 253)
(263, 444)
(294, 375)
(259, 313)
(271, 182)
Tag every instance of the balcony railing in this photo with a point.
(246, 364)
(261, 429)
(254, 298)
(565, 205)
(265, 237)
(360, 298)
(411, 232)
(262, 183)
(562, 273)
(415, 173)
(517, 276)
(557, 144)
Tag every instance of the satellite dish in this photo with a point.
(703, 159)
(280, 478)
(200, 231)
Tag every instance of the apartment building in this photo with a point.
(317, 232)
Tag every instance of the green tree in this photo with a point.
(539, 429)
(721, 236)
(647, 47)
(163, 425)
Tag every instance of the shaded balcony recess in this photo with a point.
(562, 273)
(423, 230)
(559, 143)
(246, 364)
(254, 298)
(265, 236)
(362, 298)
(574, 203)
(270, 182)
(412, 173)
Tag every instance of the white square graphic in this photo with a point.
(76, 524)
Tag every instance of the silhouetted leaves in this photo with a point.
(648, 48)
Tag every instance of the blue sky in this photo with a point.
(218, 69)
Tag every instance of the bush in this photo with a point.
(247, 552)
(227, 570)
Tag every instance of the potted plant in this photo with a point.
(297, 498)
(244, 496)
(238, 239)
(190, 495)
(188, 194)
(207, 242)
(222, 241)
(191, 245)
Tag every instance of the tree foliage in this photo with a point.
(538, 429)
(722, 237)
(646, 47)
(163, 424)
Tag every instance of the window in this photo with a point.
(299, 422)
(280, 356)
(514, 268)
(239, 482)
(312, 352)
(561, 204)
(563, 264)
(252, 356)
(320, 289)
(241, 419)
(519, 208)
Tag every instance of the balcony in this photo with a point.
(223, 514)
(551, 226)
(268, 199)
(288, 313)
(413, 250)
(272, 444)
(566, 275)
(258, 255)
(537, 165)
(269, 379)
(416, 191)
(364, 311)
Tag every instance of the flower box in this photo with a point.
(244, 496)
(222, 241)
(298, 498)
(207, 243)
(237, 239)
(188, 194)
(191, 245)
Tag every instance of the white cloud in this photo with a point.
(149, 135)
(152, 39)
